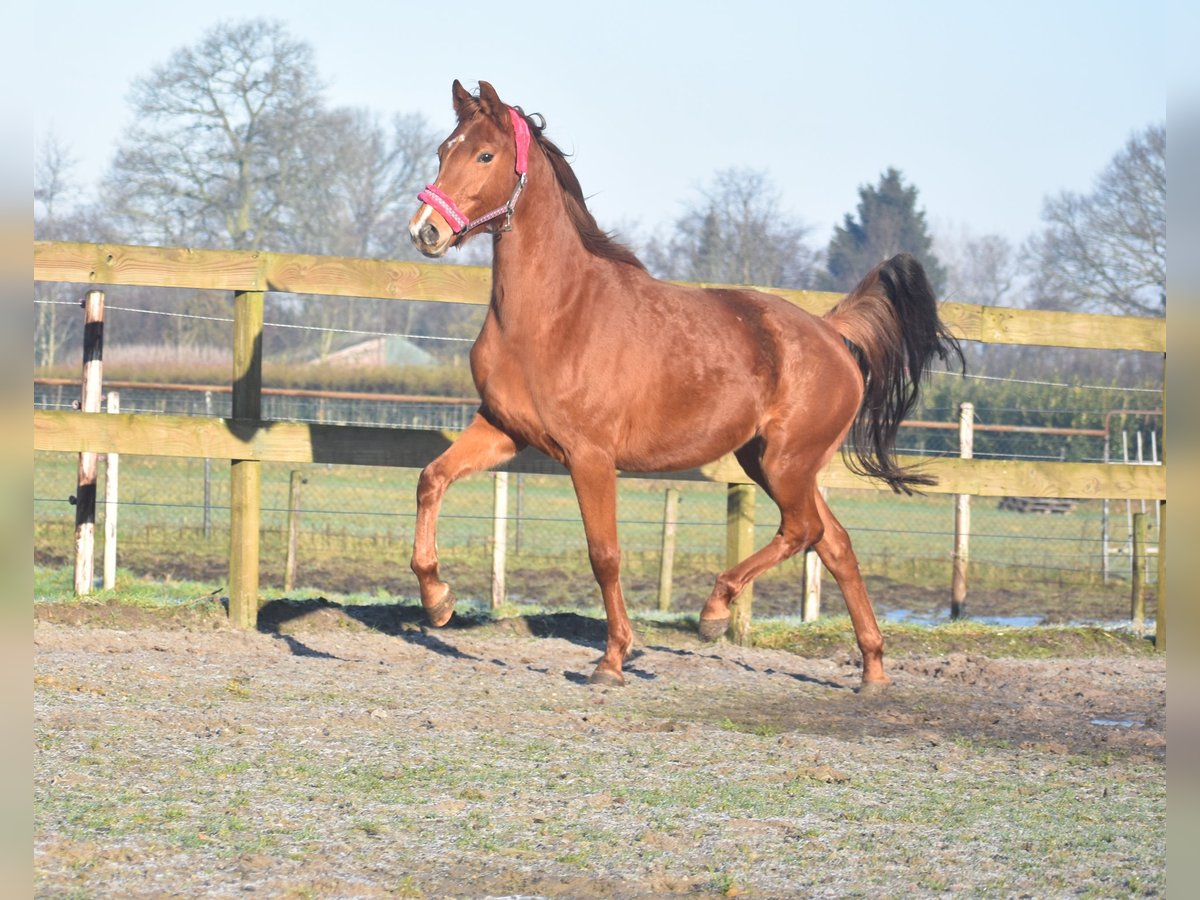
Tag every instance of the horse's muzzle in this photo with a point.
(427, 236)
(426, 239)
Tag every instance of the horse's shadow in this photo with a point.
(396, 620)
(714, 654)
(407, 622)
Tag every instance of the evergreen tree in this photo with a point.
(888, 223)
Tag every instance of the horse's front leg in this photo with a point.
(481, 446)
(594, 476)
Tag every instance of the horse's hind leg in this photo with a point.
(481, 446)
(837, 554)
(793, 490)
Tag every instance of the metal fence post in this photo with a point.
(962, 514)
(1104, 520)
(499, 538)
(85, 492)
(1137, 590)
(112, 463)
(1160, 611)
(208, 411)
(666, 562)
(520, 535)
(810, 611)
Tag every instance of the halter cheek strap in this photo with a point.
(455, 217)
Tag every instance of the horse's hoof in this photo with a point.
(712, 629)
(439, 614)
(874, 688)
(605, 678)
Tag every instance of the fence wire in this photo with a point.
(354, 530)
(354, 525)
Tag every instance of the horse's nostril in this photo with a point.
(429, 234)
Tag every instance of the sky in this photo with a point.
(986, 109)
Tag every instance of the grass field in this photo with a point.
(356, 530)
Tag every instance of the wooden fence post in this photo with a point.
(245, 474)
(962, 514)
(666, 561)
(739, 543)
(293, 528)
(1137, 589)
(85, 492)
(112, 490)
(499, 538)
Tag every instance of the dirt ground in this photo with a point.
(347, 753)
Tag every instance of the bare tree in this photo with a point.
(218, 148)
(54, 187)
(736, 234)
(232, 146)
(55, 193)
(1107, 251)
(369, 176)
(982, 269)
(363, 182)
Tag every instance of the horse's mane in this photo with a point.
(595, 240)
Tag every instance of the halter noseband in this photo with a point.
(455, 217)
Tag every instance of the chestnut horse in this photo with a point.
(587, 357)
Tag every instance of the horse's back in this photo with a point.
(709, 369)
(781, 341)
(806, 371)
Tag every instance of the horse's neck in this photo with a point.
(537, 266)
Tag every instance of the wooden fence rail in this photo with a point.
(247, 270)
(246, 440)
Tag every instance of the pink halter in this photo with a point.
(454, 217)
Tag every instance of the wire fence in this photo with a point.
(435, 414)
(354, 524)
(355, 530)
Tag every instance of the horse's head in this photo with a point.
(481, 172)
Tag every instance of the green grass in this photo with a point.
(832, 634)
(57, 585)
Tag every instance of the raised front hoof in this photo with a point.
(439, 612)
(713, 629)
(605, 678)
(875, 687)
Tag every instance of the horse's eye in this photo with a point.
(485, 157)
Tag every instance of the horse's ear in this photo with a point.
(464, 103)
(491, 104)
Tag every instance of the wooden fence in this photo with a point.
(247, 440)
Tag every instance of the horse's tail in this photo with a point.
(891, 322)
